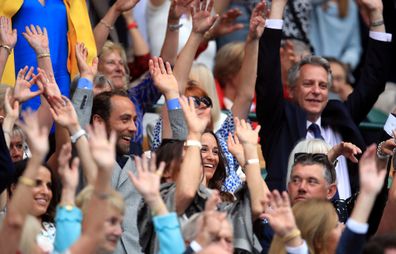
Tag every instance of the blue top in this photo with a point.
(68, 227)
(52, 16)
(333, 36)
(169, 235)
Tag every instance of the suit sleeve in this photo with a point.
(269, 91)
(372, 81)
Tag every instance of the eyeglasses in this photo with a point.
(204, 99)
(320, 158)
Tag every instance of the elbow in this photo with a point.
(183, 201)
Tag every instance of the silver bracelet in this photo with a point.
(174, 27)
(380, 154)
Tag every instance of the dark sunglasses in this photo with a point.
(320, 158)
(204, 99)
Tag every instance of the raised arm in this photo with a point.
(68, 217)
(102, 29)
(65, 116)
(372, 174)
(12, 114)
(8, 39)
(346, 149)
(246, 78)
(376, 67)
(257, 187)
(103, 153)
(190, 175)
(202, 21)
(21, 202)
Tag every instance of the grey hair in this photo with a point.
(310, 146)
(294, 71)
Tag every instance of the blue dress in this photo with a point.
(52, 16)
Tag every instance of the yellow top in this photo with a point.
(80, 30)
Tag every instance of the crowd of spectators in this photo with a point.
(196, 126)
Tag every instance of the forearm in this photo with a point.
(246, 80)
(44, 62)
(87, 163)
(189, 177)
(254, 180)
(44, 114)
(185, 60)
(363, 207)
(61, 138)
(102, 29)
(8, 125)
(3, 60)
(171, 43)
(139, 45)
(376, 16)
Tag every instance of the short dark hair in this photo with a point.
(102, 103)
(320, 159)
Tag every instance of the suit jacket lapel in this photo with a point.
(124, 172)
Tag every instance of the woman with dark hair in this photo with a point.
(46, 195)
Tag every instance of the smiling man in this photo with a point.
(310, 113)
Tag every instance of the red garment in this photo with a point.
(139, 66)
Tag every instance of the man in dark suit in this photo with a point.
(310, 114)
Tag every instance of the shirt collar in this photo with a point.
(318, 122)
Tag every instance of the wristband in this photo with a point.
(106, 24)
(196, 247)
(290, 236)
(380, 154)
(174, 27)
(377, 23)
(67, 207)
(27, 181)
(191, 142)
(43, 55)
(77, 135)
(8, 48)
(132, 25)
(252, 161)
(173, 104)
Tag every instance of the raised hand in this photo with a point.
(178, 8)
(68, 175)
(196, 125)
(64, 114)
(370, 175)
(86, 71)
(225, 25)
(37, 39)
(37, 136)
(11, 106)
(202, 18)
(257, 21)
(347, 149)
(163, 77)
(279, 214)
(8, 36)
(245, 132)
(148, 178)
(25, 80)
(124, 5)
(48, 82)
(102, 148)
(236, 148)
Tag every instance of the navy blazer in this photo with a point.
(283, 123)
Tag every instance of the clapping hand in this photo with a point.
(202, 18)
(279, 213)
(8, 36)
(163, 77)
(37, 39)
(148, 178)
(25, 80)
(196, 125)
(257, 21)
(102, 148)
(69, 175)
(37, 136)
(63, 113)
(86, 71)
(371, 175)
